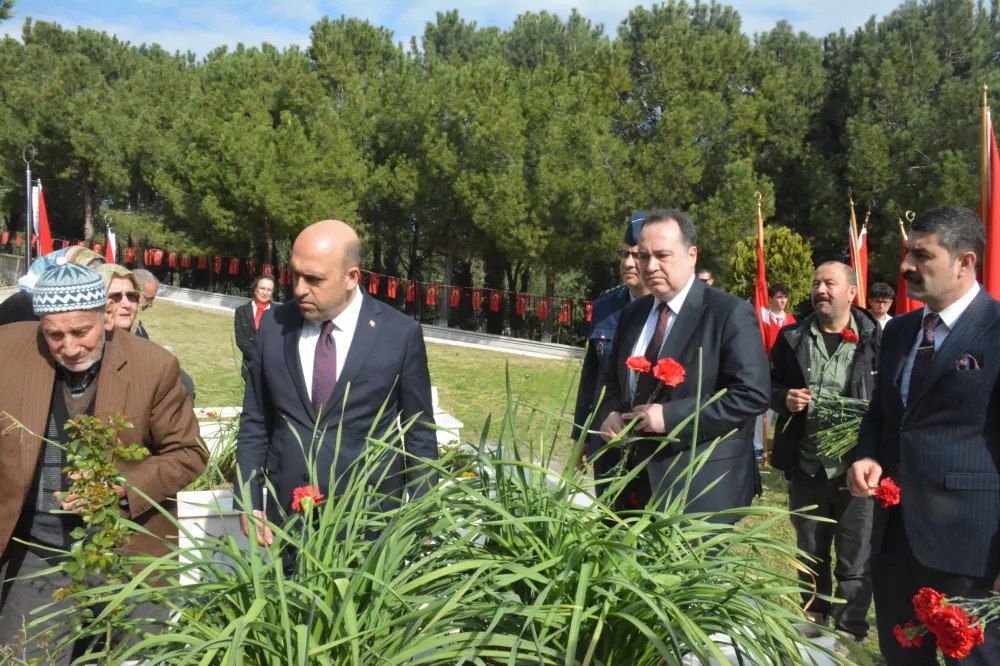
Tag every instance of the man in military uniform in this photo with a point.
(606, 309)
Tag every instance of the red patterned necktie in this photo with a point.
(324, 378)
(646, 383)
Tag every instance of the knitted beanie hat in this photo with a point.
(67, 288)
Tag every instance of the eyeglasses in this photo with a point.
(132, 296)
(625, 254)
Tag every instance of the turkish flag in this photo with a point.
(455, 296)
(130, 255)
(268, 270)
(202, 263)
(373, 281)
(991, 217)
(411, 291)
(158, 257)
(495, 298)
(234, 266)
(217, 264)
(185, 262)
(431, 293)
(565, 312)
(65, 244)
(393, 284)
(251, 264)
(283, 277)
(18, 240)
(82, 243)
(42, 227)
(761, 300)
(543, 308)
(859, 262)
(588, 308)
(904, 303)
(5, 237)
(97, 248)
(477, 299)
(172, 260)
(521, 304)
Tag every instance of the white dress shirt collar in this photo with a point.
(675, 303)
(951, 313)
(344, 326)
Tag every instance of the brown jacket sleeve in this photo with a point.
(177, 456)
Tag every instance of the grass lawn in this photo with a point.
(470, 386)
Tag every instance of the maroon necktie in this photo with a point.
(324, 378)
(646, 383)
(925, 354)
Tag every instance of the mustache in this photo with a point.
(913, 278)
(821, 299)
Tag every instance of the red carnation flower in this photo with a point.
(927, 602)
(849, 336)
(669, 371)
(305, 498)
(951, 626)
(638, 363)
(908, 636)
(888, 493)
(976, 632)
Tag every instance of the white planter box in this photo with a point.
(208, 513)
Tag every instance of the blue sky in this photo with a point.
(200, 25)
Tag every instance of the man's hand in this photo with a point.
(264, 536)
(798, 399)
(863, 477)
(650, 418)
(996, 584)
(612, 425)
(72, 500)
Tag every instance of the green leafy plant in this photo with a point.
(501, 562)
(840, 419)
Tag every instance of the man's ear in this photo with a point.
(968, 261)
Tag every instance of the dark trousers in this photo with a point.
(850, 536)
(898, 576)
(19, 599)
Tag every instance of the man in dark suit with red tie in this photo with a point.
(933, 427)
(306, 354)
(682, 318)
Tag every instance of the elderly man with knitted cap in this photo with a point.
(52, 371)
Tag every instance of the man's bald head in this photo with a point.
(326, 261)
(849, 275)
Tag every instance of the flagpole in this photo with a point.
(28, 155)
(984, 188)
(760, 245)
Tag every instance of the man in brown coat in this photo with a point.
(51, 372)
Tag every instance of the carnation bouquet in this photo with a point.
(841, 419)
(957, 623)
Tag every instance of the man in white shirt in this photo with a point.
(684, 319)
(309, 352)
(932, 427)
(880, 297)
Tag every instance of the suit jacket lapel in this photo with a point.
(685, 323)
(112, 384)
(973, 323)
(365, 335)
(291, 338)
(629, 337)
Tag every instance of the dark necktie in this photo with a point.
(925, 355)
(646, 383)
(324, 378)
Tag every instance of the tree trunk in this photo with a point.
(443, 295)
(550, 292)
(512, 273)
(268, 242)
(88, 214)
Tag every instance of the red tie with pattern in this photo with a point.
(324, 378)
(646, 383)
